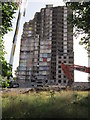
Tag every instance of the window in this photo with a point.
(59, 76)
(36, 52)
(65, 47)
(65, 42)
(64, 81)
(65, 8)
(59, 57)
(59, 71)
(41, 59)
(68, 50)
(50, 22)
(59, 61)
(59, 81)
(46, 81)
(65, 18)
(29, 32)
(65, 30)
(65, 14)
(65, 22)
(35, 60)
(65, 34)
(64, 76)
(45, 68)
(44, 59)
(65, 51)
(71, 57)
(45, 55)
(64, 57)
(70, 61)
(59, 66)
(65, 26)
(61, 50)
(65, 11)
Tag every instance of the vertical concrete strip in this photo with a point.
(0, 63)
(89, 87)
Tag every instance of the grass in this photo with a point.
(64, 104)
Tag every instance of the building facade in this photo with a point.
(47, 41)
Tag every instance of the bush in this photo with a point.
(4, 82)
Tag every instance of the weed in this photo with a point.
(52, 96)
(45, 105)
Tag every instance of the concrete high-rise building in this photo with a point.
(47, 41)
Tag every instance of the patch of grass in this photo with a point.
(50, 104)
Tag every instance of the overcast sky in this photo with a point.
(80, 54)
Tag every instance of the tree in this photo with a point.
(7, 9)
(6, 69)
(81, 21)
(2, 51)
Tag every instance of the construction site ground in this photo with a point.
(37, 89)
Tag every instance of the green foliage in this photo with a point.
(8, 10)
(4, 82)
(6, 73)
(52, 96)
(6, 69)
(81, 21)
(2, 51)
